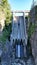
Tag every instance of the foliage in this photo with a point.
(31, 29)
(5, 7)
(28, 48)
(8, 29)
(6, 33)
(30, 32)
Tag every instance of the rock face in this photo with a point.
(34, 45)
(33, 19)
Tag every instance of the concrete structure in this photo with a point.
(19, 29)
(19, 17)
(26, 13)
(19, 40)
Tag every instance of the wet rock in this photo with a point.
(4, 63)
(30, 61)
(7, 58)
(0, 52)
(18, 62)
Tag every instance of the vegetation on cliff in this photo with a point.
(5, 8)
(31, 30)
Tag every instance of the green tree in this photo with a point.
(7, 11)
(5, 7)
(30, 32)
(31, 29)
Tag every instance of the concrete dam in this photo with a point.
(19, 39)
